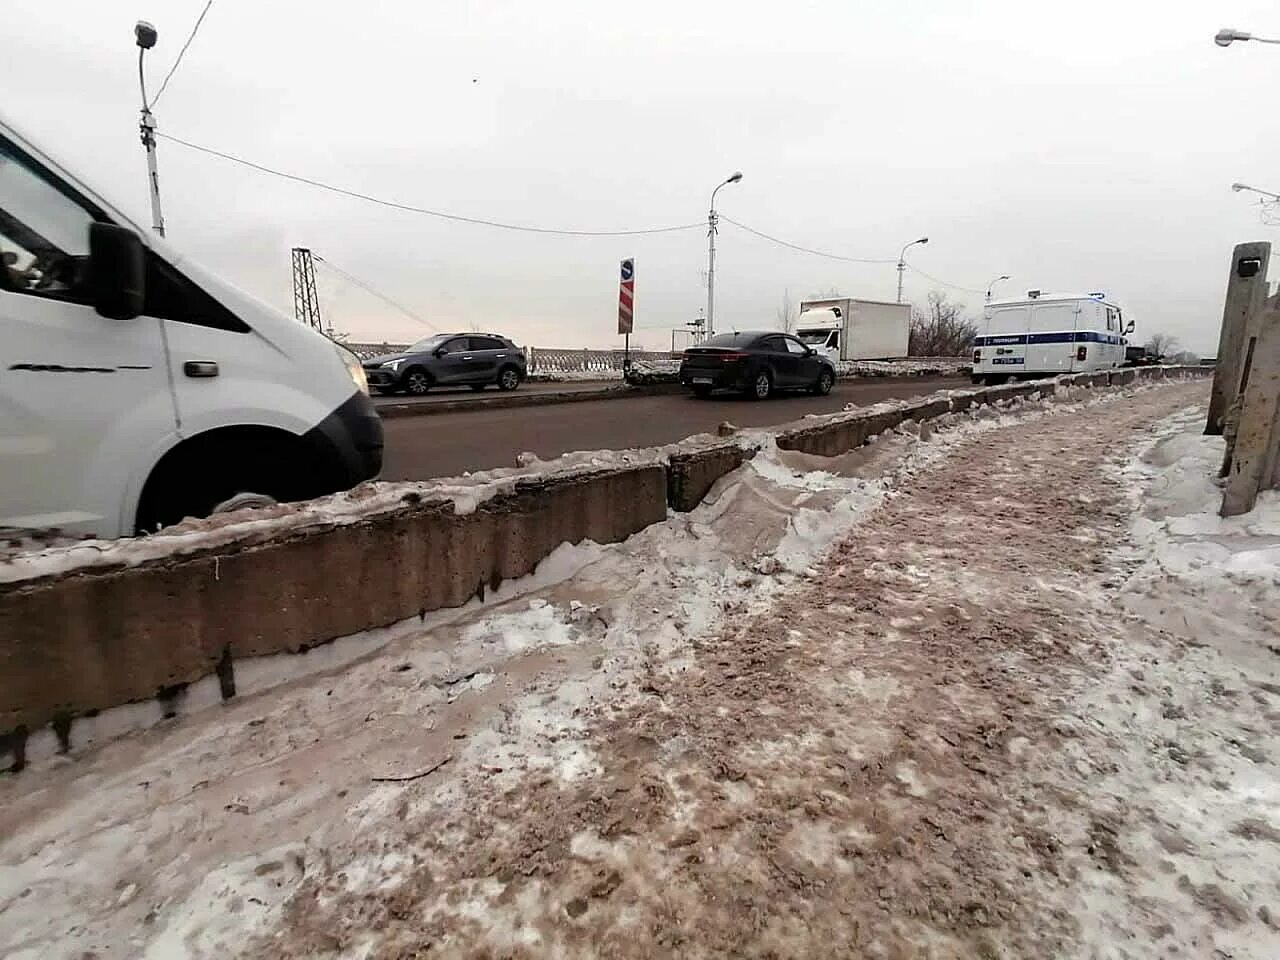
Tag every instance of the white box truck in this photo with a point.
(846, 328)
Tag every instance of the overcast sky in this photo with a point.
(1082, 146)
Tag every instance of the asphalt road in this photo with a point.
(440, 394)
(447, 444)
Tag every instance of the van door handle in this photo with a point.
(200, 368)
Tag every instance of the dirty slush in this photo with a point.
(876, 766)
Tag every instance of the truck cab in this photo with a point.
(821, 330)
(138, 388)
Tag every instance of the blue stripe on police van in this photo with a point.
(1070, 336)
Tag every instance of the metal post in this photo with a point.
(712, 219)
(711, 267)
(902, 262)
(147, 128)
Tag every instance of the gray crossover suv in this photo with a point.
(449, 359)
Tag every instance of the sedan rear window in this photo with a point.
(728, 340)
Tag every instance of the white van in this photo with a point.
(1048, 334)
(136, 388)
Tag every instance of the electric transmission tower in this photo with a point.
(306, 304)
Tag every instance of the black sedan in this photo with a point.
(755, 364)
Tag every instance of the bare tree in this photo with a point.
(1161, 344)
(941, 329)
(786, 313)
(831, 293)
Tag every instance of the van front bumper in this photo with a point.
(351, 439)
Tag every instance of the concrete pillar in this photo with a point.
(1253, 460)
(1246, 291)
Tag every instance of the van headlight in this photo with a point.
(354, 368)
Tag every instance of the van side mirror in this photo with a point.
(117, 271)
(1128, 328)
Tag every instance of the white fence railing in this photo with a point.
(541, 359)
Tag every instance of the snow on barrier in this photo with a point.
(85, 627)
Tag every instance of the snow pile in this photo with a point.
(574, 376)
(1188, 711)
(906, 367)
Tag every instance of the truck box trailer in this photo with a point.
(846, 328)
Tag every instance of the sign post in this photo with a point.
(626, 308)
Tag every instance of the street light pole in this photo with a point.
(712, 218)
(1237, 187)
(902, 262)
(1226, 36)
(993, 283)
(145, 34)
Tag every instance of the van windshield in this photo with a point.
(814, 337)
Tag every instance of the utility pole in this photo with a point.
(145, 35)
(712, 219)
(306, 303)
(902, 262)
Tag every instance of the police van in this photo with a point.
(1047, 334)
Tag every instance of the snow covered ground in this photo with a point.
(1003, 686)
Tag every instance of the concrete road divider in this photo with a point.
(90, 629)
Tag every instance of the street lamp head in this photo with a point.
(145, 34)
(1237, 187)
(1226, 36)
(1002, 277)
(737, 175)
(923, 240)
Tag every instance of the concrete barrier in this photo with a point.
(97, 637)
(691, 475)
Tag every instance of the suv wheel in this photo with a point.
(509, 378)
(417, 381)
(825, 382)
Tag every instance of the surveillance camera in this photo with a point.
(145, 34)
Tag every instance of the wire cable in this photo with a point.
(523, 228)
(173, 69)
(368, 289)
(796, 246)
(944, 283)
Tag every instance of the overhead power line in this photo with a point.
(796, 246)
(943, 283)
(524, 228)
(173, 69)
(377, 293)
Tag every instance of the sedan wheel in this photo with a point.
(762, 386)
